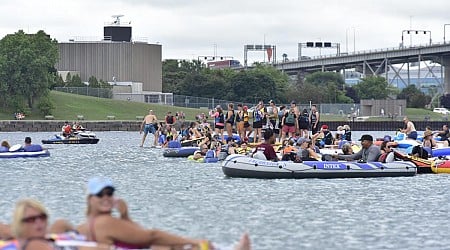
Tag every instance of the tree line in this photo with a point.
(264, 82)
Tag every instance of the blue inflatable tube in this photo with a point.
(440, 152)
(179, 152)
(22, 154)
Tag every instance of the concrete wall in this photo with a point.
(55, 126)
(128, 62)
(373, 107)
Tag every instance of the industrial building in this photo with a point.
(133, 67)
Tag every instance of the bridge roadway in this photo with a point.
(374, 62)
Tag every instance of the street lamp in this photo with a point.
(409, 32)
(444, 30)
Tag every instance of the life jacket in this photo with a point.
(303, 120)
(67, 129)
(328, 139)
(245, 116)
(258, 115)
(289, 149)
(348, 135)
(220, 118)
(290, 119)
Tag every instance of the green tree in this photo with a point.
(323, 87)
(93, 82)
(29, 71)
(280, 82)
(104, 84)
(45, 105)
(75, 82)
(59, 82)
(414, 97)
(372, 87)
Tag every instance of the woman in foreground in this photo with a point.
(123, 233)
(28, 230)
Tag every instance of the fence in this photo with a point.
(96, 92)
(343, 109)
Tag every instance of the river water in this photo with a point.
(197, 200)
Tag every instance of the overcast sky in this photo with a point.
(187, 29)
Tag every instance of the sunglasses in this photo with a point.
(107, 192)
(32, 219)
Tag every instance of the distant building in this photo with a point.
(115, 58)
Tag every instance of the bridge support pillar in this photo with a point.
(446, 80)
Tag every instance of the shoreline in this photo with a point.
(130, 125)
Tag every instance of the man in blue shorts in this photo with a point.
(149, 124)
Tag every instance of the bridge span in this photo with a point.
(376, 62)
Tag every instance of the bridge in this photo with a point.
(377, 62)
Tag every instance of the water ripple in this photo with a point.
(197, 200)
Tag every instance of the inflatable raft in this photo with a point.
(21, 154)
(179, 152)
(441, 167)
(247, 167)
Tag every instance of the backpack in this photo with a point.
(290, 118)
(304, 120)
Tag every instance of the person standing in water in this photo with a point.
(149, 124)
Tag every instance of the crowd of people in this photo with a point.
(30, 228)
(299, 132)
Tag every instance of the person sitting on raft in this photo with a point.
(4, 147)
(171, 143)
(368, 153)
(29, 147)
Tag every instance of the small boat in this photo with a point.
(179, 152)
(441, 167)
(247, 167)
(78, 138)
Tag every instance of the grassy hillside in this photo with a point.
(69, 106)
